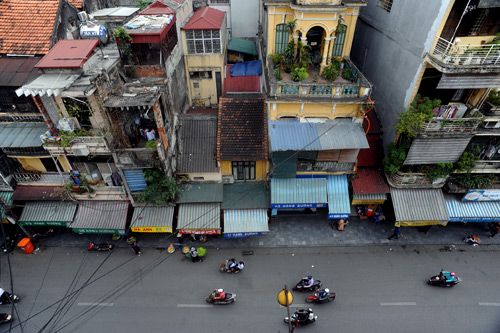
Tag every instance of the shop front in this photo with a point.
(199, 218)
(338, 197)
(101, 217)
(472, 211)
(369, 192)
(298, 193)
(419, 207)
(6, 198)
(48, 213)
(152, 219)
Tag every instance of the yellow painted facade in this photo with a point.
(313, 110)
(261, 168)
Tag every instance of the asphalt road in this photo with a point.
(380, 289)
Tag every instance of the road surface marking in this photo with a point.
(194, 306)
(398, 303)
(489, 304)
(96, 304)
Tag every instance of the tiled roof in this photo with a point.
(242, 128)
(197, 143)
(26, 25)
(68, 53)
(157, 8)
(205, 19)
(76, 3)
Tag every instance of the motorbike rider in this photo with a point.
(219, 294)
(239, 267)
(450, 277)
(303, 314)
(232, 264)
(307, 281)
(323, 294)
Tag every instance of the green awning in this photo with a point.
(245, 195)
(42, 213)
(198, 193)
(101, 217)
(242, 46)
(201, 218)
(152, 219)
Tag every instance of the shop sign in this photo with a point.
(338, 216)
(199, 232)
(299, 205)
(152, 229)
(99, 231)
(44, 223)
(421, 223)
(482, 195)
(474, 219)
(243, 234)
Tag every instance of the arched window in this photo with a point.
(338, 45)
(282, 32)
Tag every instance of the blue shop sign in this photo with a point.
(242, 234)
(339, 216)
(299, 205)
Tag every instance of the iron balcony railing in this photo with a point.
(42, 178)
(451, 56)
(413, 180)
(96, 145)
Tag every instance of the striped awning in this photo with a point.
(135, 179)
(298, 193)
(472, 211)
(48, 213)
(101, 217)
(415, 207)
(199, 218)
(239, 223)
(152, 219)
(6, 197)
(370, 197)
(338, 197)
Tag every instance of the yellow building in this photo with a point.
(205, 42)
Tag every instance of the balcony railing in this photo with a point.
(447, 55)
(466, 124)
(82, 145)
(102, 192)
(21, 117)
(337, 89)
(138, 157)
(413, 180)
(486, 166)
(41, 178)
(489, 109)
(326, 167)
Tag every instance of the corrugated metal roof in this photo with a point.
(21, 135)
(50, 84)
(338, 197)
(245, 220)
(366, 197)
(298, 191)
(205, 19)
(16, 71)
(6, 197)
(157, 8)
(369, 181)
(56, 211)
(419, 204)
(433, 150)
(236, 84)
(115, 12)
(242, 45)
(194, 193)
(469, 81)
(199, 216)
(135, 179)
(40, 193)
(245, 195)
(472, 211)
(152, 217)
(331, 134)
(110, 215)
(197, 143)
(68, 53)
(139, 99)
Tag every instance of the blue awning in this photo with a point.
(338, 197)
(472, 211)
(298, 193)
(239, 223)
(135, 179)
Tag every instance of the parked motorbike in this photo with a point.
(8, 298)
(10, 242)
(301, 317)
(100, 247)
(226, 266)
(228, 299)
(5, 318)
(40, 235)
(444, 279)
(301, 286)
(315, 298)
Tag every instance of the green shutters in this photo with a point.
(338, 45)
(282, 32)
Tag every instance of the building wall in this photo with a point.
(389, 49)
(245, 18)
(315, 110)
(31, 163)
(207, 176)
(261, 168)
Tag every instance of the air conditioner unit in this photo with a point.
(83, 17)
(80, 149)
(228, 179)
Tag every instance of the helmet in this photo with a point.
(220, 290)
(241, 262)
(310, 310)
(452, 274)
(309, 277)
(327, 290)
(193, 249)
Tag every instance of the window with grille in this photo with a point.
(244, 170)
(479, 19)
(282, 32)
(203, 41)
(219, 1)
(385, 5)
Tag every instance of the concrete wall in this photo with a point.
(317, 110)
(244, 18)
(389, 49)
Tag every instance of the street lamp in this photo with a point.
(285, 298)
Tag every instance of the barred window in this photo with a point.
(385, 5)
(203, 41)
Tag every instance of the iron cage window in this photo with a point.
(244, 170)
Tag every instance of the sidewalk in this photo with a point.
(301, 230)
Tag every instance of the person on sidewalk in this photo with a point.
(396, 231)
(180, 240)
(135, 248)
(494, 229)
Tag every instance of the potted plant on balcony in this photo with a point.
(299, 74)
(420, 111)
(331, 72)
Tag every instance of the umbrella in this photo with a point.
(201, 251)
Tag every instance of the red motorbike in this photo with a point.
(321, 296)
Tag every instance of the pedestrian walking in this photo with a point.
(180, 240)
(135, 248)
(194, 254)
(494, 229)
(396, 231)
